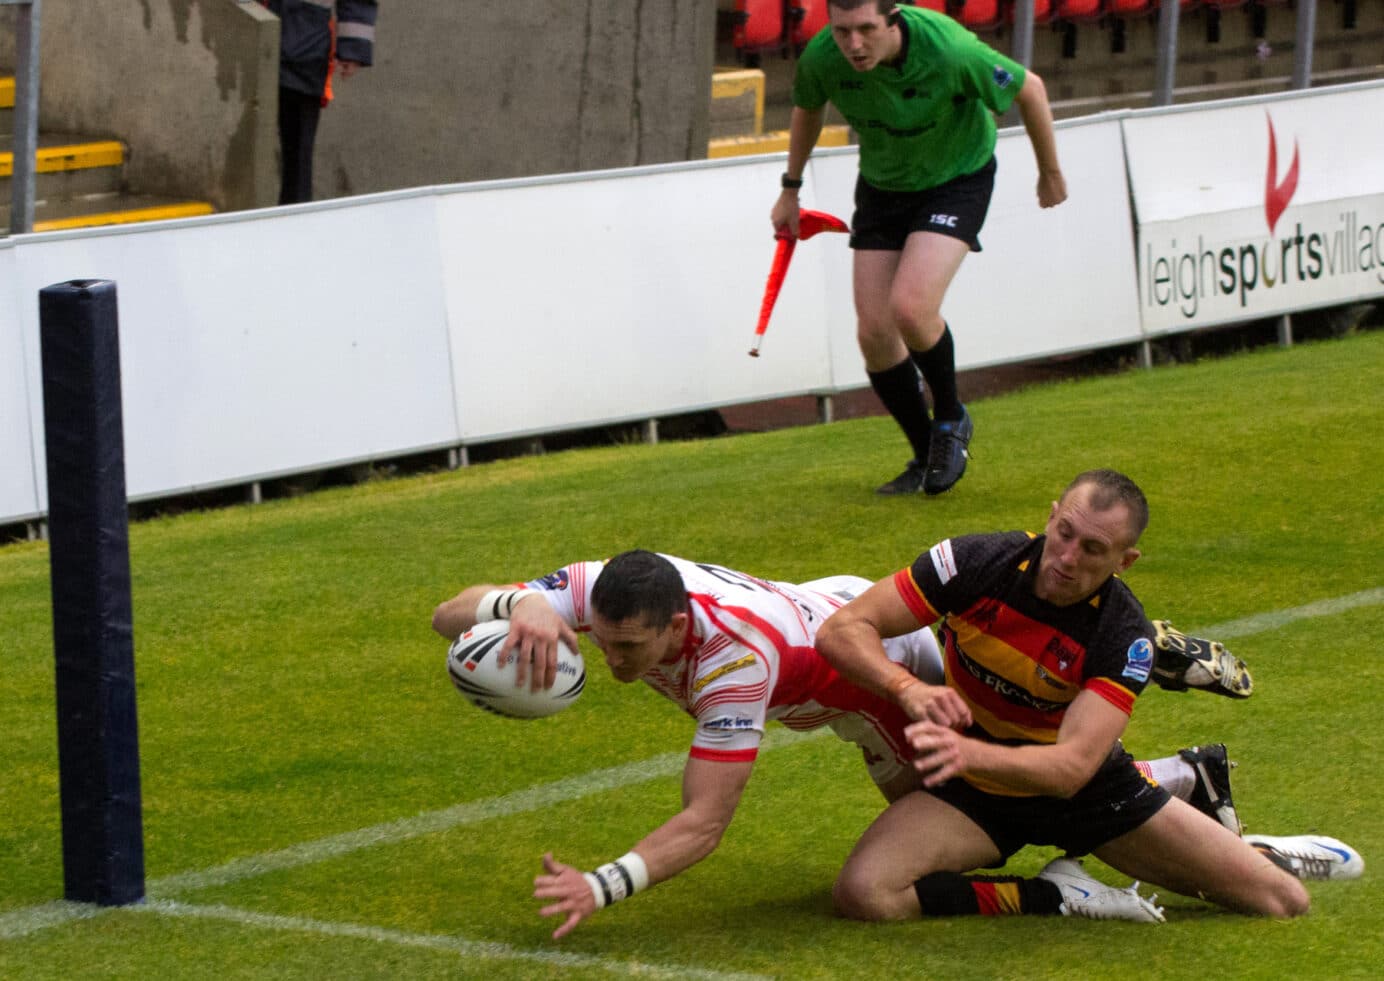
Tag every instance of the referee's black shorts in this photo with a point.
(883, 220)
(1117, 800)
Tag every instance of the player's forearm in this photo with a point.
(483, 602)
(457, 615)
(1054, 771)
(853, 647)
(1036, 114)
(804, 127)
(679, 844)
(1090, 729)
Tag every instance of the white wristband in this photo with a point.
(497, 604)
(618, 880)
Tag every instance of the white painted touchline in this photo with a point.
(430, 822)
(22, 922)
(470, 949)
(1264, 622)
(31, 919)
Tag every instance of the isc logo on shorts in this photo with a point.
(947, 220)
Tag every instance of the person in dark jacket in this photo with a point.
(315, 36)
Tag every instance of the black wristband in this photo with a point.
(788, 183)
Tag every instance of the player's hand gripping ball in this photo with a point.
(473, 664)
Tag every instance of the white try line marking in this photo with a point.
(1264, 622)
(22, 922)
(471, 950)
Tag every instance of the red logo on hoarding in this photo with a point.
(1276, 195)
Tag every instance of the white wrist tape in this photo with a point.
(498, 604)
(618, 880)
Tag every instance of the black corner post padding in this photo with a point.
(93, 637)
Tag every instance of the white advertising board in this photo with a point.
(595, 299)
(1056, 280)
(18, 370)
(265, 342)
(1253, 208)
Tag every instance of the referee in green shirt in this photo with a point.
(920, 92)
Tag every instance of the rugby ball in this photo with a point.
(473, 664)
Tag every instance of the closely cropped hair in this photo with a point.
(883, 6)
(1113, 487)
(642, 585)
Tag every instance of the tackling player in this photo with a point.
(1046, 652)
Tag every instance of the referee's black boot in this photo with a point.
(908, 482)
(948, 452)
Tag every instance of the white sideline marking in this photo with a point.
(471, 812)
(22, 922)
(466, 948)
(30, 919)
(1264, 622)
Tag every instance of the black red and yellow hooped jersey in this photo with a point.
(1019, 661)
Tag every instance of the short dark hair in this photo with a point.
(1111, 488)
(883, 6)
(639, 584)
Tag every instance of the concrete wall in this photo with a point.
(473, 91)
(190, 86)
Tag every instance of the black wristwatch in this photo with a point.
(788, 183)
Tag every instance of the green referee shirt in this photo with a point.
(926, 121)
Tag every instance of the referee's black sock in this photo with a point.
(901, 391)
(938, 365)
(954, 894)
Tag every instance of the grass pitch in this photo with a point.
(319, 803)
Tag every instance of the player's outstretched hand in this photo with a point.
(571, 894)
(534, 632)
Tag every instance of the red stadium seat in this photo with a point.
(1132, 8)
(1070, 10)
(758, 26)
(1044, 11)
(980, 15)
(805, 19)
(938, 5)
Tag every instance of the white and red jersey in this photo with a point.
(749, 658)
